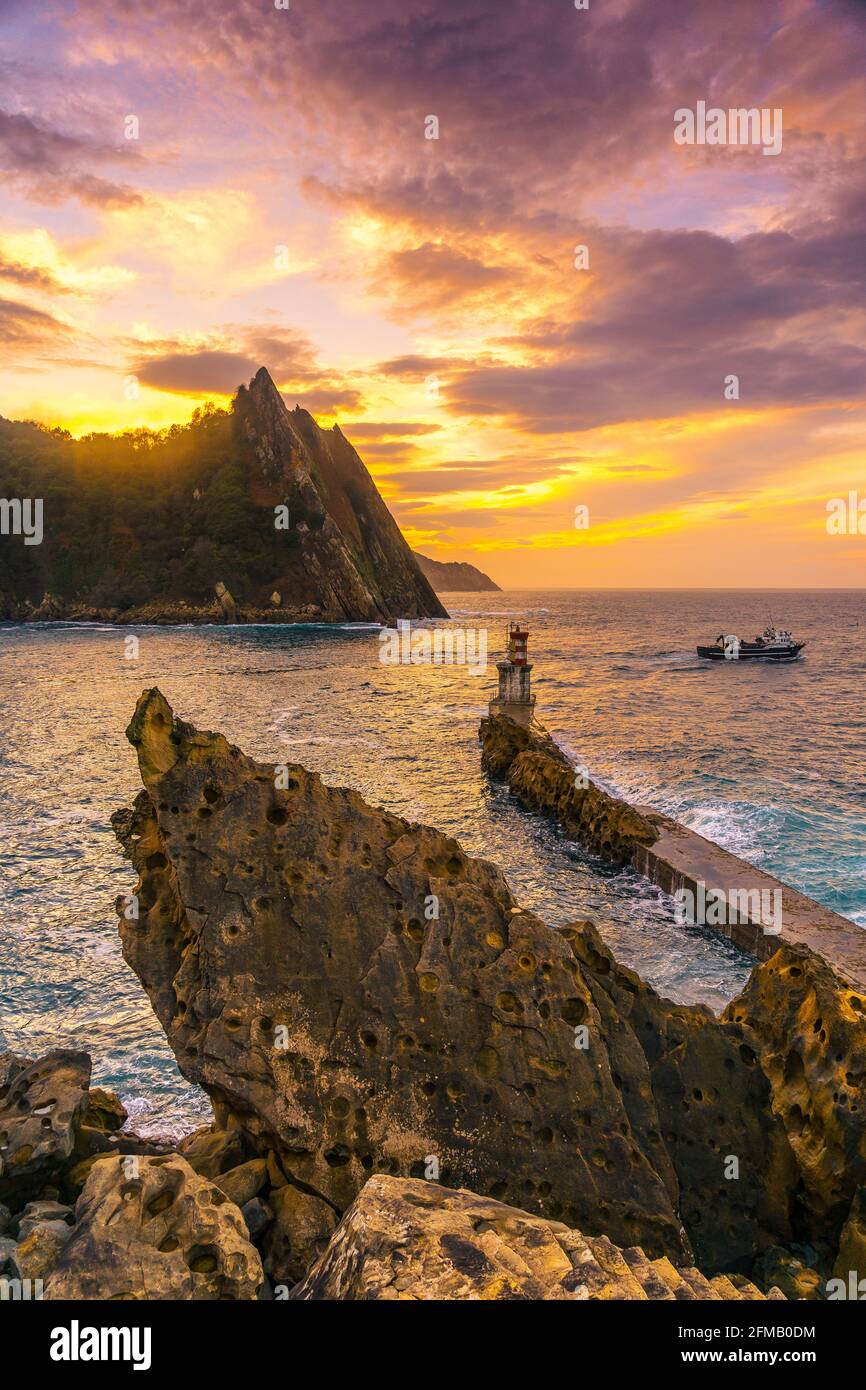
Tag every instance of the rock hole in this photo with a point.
(161, 1203)
(202, 1259)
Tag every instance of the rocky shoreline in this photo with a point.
(162, 614)
(420, 1089)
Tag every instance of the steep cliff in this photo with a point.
(254, 514)
(348, 555)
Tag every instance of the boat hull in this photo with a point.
(749, 652)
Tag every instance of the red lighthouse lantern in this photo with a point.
(517, 640)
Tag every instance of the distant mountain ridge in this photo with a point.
(249, 514)
(454, 576)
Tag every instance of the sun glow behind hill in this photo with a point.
(427, 295)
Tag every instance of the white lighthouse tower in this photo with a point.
(514, 697)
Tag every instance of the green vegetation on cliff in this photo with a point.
(123, 525)
(152, 519)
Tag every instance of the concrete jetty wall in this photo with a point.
(752, 908)
(682, 860)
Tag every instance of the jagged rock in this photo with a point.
(257, 1217)
(78, 1173)
(99, 1144)
(226, 603)
(104, 1111)
(11, 1063)
(91, 1142)
(541, 777)
(5, 1219)
(736, 1171)
(791, 1273)
(302, 986)
(151, 1228)
(358, 995)
(413, 1240)
(344, 550)
(41, 1107)
(210, 1151)
(49, 610)
(810, 1028)
(8, 1249)
(301, 1227)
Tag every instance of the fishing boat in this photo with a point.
(775, 645)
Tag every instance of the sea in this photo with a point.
(765, 759)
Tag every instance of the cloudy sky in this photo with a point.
(283, 205)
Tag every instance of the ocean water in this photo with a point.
(765, 759)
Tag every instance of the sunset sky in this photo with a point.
(282, 206)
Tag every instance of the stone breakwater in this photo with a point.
(367, 1006)
(542, 777)
(748, 906)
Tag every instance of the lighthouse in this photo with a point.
(514, 697)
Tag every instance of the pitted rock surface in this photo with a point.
(42, 1105)
(810, 1030)
(358, 996)
(405, 1240)
(283, 941)
(150, 1228)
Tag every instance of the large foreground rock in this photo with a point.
(357, 995)
(151, 1228)
(804, 1029)
(412, 1240)
(811, 1031)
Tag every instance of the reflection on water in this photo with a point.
(763, 759)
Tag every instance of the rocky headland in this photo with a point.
(455, 576)
(254, 515)
(420, 1089)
